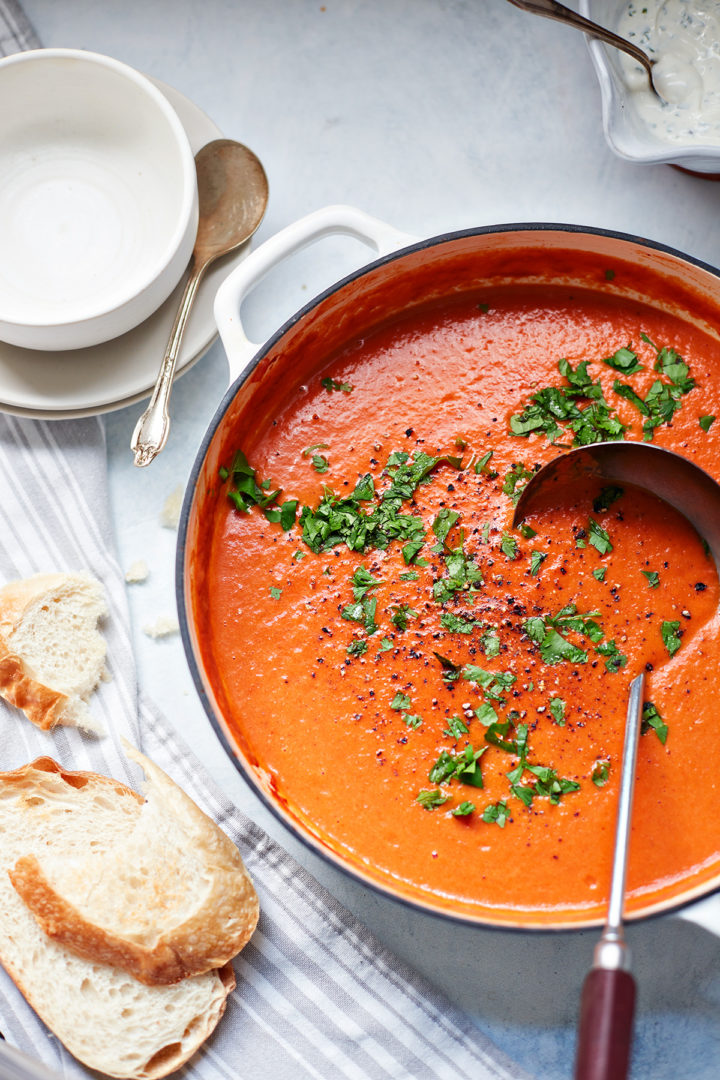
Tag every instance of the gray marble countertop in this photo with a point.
(432, 115)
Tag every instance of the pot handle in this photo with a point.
(347, 220)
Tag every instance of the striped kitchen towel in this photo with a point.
(318, 997)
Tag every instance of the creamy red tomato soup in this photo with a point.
(439, 698)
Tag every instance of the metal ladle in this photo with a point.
(608, 998)
(552, 10)
(233, 195)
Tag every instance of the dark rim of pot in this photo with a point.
(314, 845)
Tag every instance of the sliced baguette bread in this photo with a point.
(104, 1016)
(167, 898)
(52, 655)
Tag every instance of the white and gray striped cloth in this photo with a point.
(318, 998)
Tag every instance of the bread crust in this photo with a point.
(43, 705)
(213, 935)
(44, 781)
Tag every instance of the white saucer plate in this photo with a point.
(84, 382)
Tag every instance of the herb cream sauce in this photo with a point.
(683, 38)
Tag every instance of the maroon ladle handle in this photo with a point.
(607, 1009)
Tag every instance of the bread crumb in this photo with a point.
(170, 514)
(164, 626)
(137, 572)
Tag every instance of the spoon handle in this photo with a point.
(151, 430)
(552, 10)
(607, 1011)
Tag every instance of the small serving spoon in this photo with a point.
(552, 10)
(608, 999)
(233, 195)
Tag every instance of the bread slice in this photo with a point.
(52, 655)
(104, 1016)
(168, 898)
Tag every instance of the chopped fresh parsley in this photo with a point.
(614, 659)
(275, 592)
(363, 581)
(456, 728)
(599, 537)
(706, 422)
(444, 522)
(362, 611)
(557, 708)
(481, 465)
(463, 809)
(320, 463)
(246, 492)
(515, 480)
(653, 721)
(600, 773)
(496, 813)
(463, 576)
(357, 648)
(599, 573)
(509, 546)
(400, 615)
(430, 800)
(451, 671)
(624, 360)
(493, 683)
(412, 721)
(385, 645)
(457, 624)
(490, 643)
(537, 558)
(553, 409)
(400, 701)
(653, 578)
(670, 631)
(333, 385)
(607, 497)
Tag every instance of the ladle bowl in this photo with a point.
(670, 476)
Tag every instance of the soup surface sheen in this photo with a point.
(445, 709)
